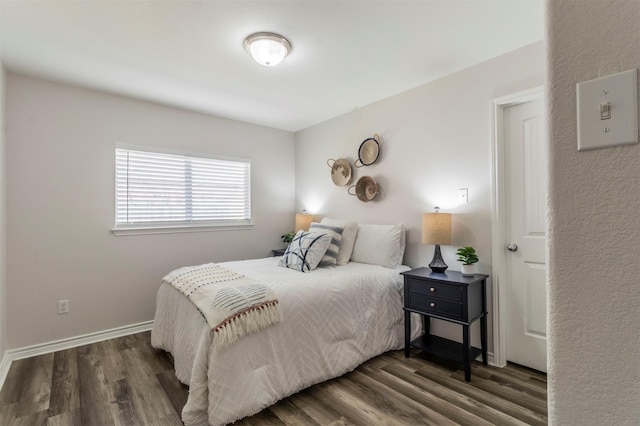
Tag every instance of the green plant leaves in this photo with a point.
(467, 255)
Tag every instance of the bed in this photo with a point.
(332, 320)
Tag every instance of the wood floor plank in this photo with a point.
(390, 409)
(316, 408)
(423, 385)
(93, 389)
(502, 376)
(64, 383)
(15, 382)
(425, 397)
(69, 418)
(513, 409)
(110, 360)
(172, 419)
(379, 361)
(176, 391)
(126, 414)
(36, 392)
(290, 414)
(418, 361)
(508, 393)
(528, 371)
(148, 398)
(126, 342)
(265, 417)
(357, 412)
(341, 422)
(7, 413)
(156, 360)
(409, 408)
(33, 419)
(531, 378)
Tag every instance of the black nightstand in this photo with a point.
(448, 296)
(278, 252)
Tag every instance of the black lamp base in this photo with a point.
(437, 263)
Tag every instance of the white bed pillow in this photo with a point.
(348, 238)
(305, 251)
(380, 245)
(331, 255)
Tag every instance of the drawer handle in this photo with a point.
(433, 305)
(432, 289)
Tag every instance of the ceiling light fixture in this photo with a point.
(267, 49)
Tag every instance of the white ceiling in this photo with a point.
(189, 54)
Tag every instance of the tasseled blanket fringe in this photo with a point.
(251, 320)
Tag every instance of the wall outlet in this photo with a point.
(63, 306)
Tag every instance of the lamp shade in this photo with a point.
(303, 220)
(436, 228)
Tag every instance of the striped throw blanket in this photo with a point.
(232, 304)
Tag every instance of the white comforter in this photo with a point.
(333, 320)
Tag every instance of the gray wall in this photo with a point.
(594, 296)
(435, 139)
(3, 228)
(60, 206)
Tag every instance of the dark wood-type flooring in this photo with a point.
(125, 381)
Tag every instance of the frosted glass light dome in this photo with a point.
(267, 49)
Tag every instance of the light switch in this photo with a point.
(463, 195)
(608, 111)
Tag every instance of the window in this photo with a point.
(158, 190)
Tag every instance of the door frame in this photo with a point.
(498, 213)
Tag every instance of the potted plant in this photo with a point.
(468, 256)
(288, 237)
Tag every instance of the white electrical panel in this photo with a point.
(608, 111)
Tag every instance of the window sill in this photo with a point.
(176, 229)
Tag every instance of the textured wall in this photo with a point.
(60, 206)
(594, 293)
(435, 139)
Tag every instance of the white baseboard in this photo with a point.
(5, 364)
(490, 359)
(68, 343)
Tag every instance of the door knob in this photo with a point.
(512, 247)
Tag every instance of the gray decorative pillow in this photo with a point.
(331, 256)
(305, 251)
(348, 238)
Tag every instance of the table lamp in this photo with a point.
(303, 221)
(436, 229)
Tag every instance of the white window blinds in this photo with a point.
(157, 189)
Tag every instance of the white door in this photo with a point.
(526, 190)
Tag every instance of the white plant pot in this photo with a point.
(467, 270)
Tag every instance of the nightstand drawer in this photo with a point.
(443, 291)
(435, 306)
